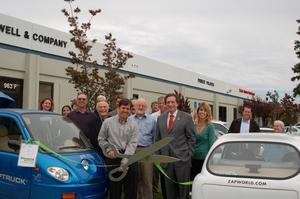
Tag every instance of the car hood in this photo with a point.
(94, 170)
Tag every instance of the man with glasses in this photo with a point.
(85, 120)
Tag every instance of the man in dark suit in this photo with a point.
(179, 125)
(245, 124)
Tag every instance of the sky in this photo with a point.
(249, 43)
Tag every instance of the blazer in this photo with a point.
(236, 126)
(183, 132)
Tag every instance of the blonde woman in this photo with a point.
(205, 135)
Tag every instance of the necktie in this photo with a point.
(171, 121)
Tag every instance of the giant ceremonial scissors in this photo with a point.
(145, 154)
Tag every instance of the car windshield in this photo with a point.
(220, 127)
(254, 159)
(56, 132)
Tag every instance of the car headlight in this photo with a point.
(58, 173)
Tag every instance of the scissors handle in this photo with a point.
(112, 147)
(116, 179)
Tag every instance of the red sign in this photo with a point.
(246, 92)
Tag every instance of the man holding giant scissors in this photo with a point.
(122, 133)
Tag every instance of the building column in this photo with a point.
(181, 90)
(31, 82)
(216, 107)
(128, 88)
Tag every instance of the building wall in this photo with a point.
(33, 62)
(34, 69)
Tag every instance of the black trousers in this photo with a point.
(196, 167)
(128, 184)
(179, 173)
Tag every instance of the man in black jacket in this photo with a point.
(243, 151)
(244, 124)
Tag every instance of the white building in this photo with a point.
(34, 58)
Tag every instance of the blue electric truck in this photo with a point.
(67, 167)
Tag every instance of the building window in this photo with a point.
(135, 96)
(45, 90)
(212, 110)
(222, 113)
(234, 113)
(13, 88)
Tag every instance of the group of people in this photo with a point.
(129, 129)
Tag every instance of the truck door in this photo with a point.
(14, 181)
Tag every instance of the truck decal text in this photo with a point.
(13, 179)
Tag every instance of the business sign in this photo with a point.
(27, 35)
(203, 81)
(24, 34)
(13, 88)
(14, 31)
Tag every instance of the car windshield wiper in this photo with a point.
(71, 147)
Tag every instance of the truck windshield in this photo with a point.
(254, 159)
(56, 132)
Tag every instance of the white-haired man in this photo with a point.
(146, 125)
(101, 98)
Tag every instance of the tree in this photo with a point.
(84, 72)
(269, 110)
(276, 109)
(184, 103)
(296, 68)
(114, 59)
(289, 116)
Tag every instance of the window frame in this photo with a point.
(13, 119)
(253, 177)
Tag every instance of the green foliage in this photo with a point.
(290, 109)
(184, 103)
(114, 59)
(274, 109)
(296, 68)
(84, 73)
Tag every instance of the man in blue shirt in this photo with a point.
(146, 126)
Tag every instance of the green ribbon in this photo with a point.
(47, 149)
(157, 165)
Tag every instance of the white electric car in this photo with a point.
(248, 166)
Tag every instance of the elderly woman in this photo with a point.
(278, 126)
(275, 152)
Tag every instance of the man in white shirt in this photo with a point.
(245, 124)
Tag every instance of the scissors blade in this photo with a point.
(149, 150)
(160, 159)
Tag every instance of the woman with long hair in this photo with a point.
(47, 104)
(205, 135)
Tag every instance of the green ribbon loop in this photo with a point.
(49, 150)
(164, 173)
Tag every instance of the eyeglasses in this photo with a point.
(83, 99)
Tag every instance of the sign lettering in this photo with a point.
(44, 39)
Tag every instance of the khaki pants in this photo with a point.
(145, 180)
